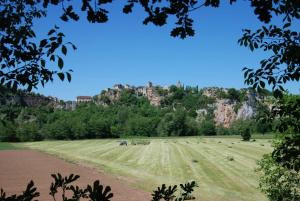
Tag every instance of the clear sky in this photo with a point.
(125, 51)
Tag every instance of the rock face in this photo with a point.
(148, 91)
(245, 112)
(224, 112)
(33, 101)
(30, 100)
(227, 111)
(152, 96)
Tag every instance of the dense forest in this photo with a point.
(129, 115)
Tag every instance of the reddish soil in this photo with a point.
(18, 167)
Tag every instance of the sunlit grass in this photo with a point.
(174, 161)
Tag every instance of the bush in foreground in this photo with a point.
(280, 179)
(62, 187)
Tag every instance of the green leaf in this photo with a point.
(69, 77)
(15, 85)
(61, 76)
(43, 43)
(128, 8)
(281, 88)
(64, 50)
(51, 32)
(286, 25)
(52, 58)
(43, 62)
(60, 62)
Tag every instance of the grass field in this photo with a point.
(7, 146)
(222, 167)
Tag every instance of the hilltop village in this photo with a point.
(125, 110)
(226, 109)
(226, 105)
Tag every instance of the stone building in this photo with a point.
(70, 105)
(84, 99)
(118, 87)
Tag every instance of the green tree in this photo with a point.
(23, 60)
(176, 123)
(207, 127)
(287, 113)
(8, 132)
(220, 130)
(98, 128)
(29, 132)
(141, 126)
(244, 128)
(262, 118)
(233, 94)
(280, 170)
(165, 127)
(245, 133)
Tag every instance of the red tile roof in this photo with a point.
(84, 97)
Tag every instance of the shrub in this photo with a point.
(7, 132)
(278, 183)
(96, 192)
(280, 171)
(242, 128)
(168, 193)
(207, 127)
(220, 130)
(245, 133)
(177, 124)
(29, 132)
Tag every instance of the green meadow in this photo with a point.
(224, 168)
(7, 146)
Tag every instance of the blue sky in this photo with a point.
(125, 51)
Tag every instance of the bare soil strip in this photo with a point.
(18, 167)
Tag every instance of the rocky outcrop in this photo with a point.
(29, 100)
(153, 96)
(246, 111)
(111, 95)
(225, 109)
(224, 112)
(33, 101)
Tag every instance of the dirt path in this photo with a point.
(18, 167)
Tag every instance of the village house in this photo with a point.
(83, 99)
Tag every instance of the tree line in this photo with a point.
(130, 115)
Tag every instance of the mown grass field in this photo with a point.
(7, 146)
(173, 161)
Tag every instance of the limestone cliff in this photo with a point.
(23, 98)
(229, 104)
(111, 95)
(224, 112)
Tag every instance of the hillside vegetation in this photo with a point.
(223, 168)
(129, 111)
